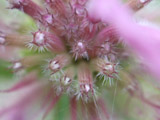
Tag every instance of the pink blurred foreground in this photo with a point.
(144, 40)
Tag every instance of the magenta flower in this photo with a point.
(76, 51)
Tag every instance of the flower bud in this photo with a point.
(39, 38)
(58, 63)
(106, 68)
(66, 80)
(26, 62)
(104, 50)
(79, 49)
(48, 18)
(57, 6)
(82, 2)
(85, 80)
(28, 7)
(45, 40)
(80, 10)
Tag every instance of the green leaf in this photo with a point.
(62, 108)
(4, 71)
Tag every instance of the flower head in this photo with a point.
(83, 46)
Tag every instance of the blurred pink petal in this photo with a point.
(73, 103)
(26, 81)
(145, 41)
(18, 110)
(150, 103)
(7, 52)
(103, 107)
(36, 93)
(50, 107)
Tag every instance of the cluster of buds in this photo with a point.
(82, 37)
(63, 82)
(82, 48)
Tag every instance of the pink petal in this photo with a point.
(150, 103)
(50, 107)
(144, 41)
(28, 80)
(28, 7)
(73, 109)
(103, 107)
(20, 106)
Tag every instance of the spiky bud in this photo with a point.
(106, 68)
(79, 49)
(85, 82)
(44, 40)
(39, 38)
(58, 63)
